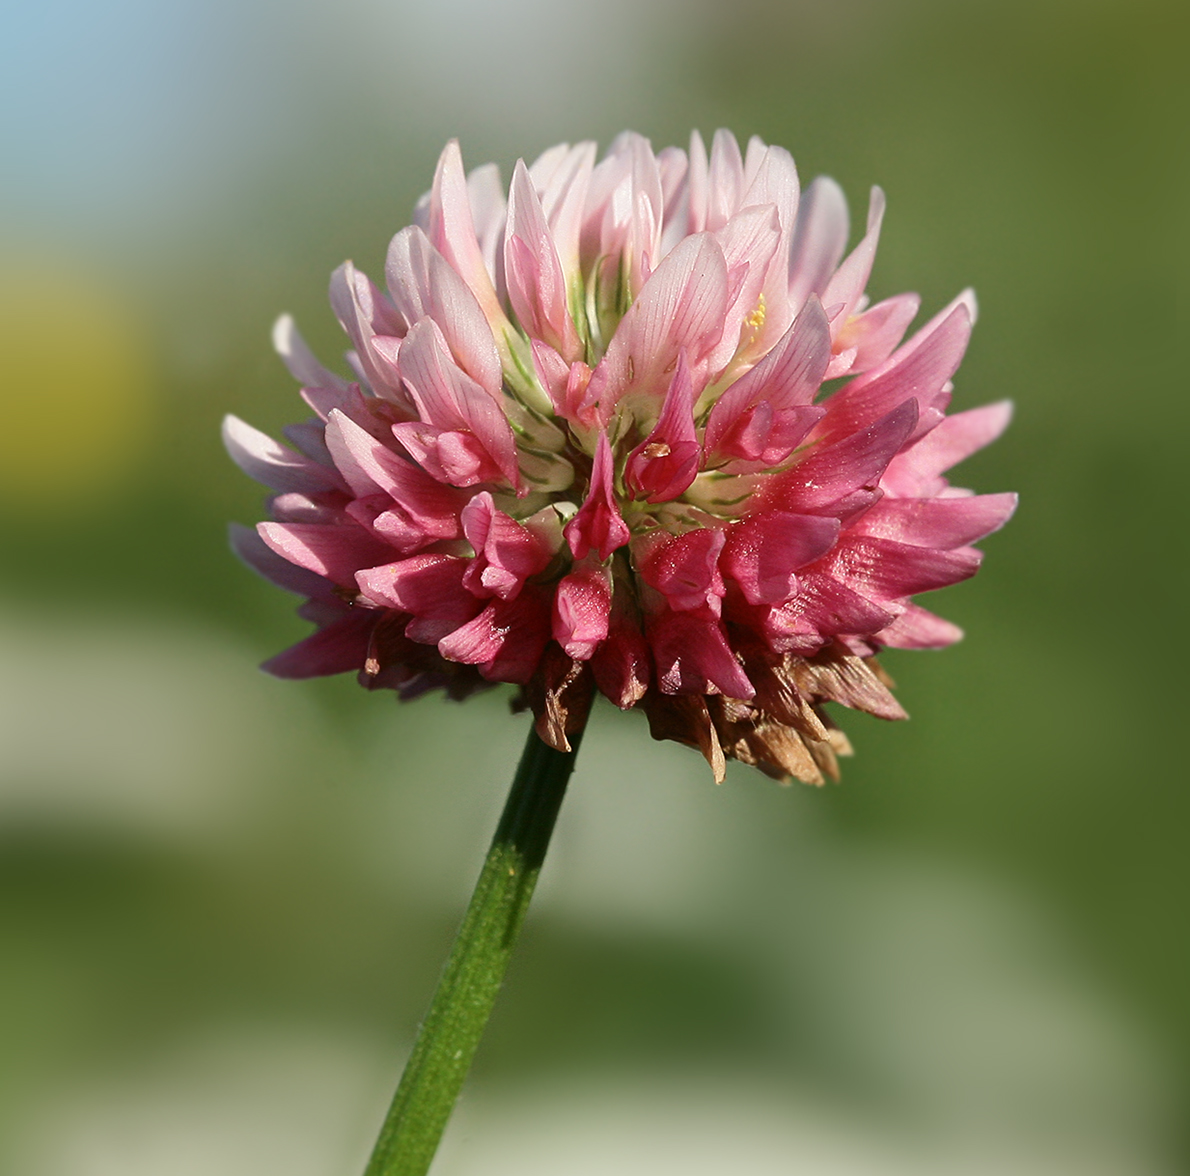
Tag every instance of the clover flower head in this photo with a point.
(593, 441)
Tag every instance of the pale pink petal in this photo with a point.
(300, 360)
(681, 306)
(273, 464)
(871, 336)
(364, 313)
(849, 281)
(423, 285)
(725, 180)
(452, 232)
(819, 239)
(749, 242)
(485, 194)
(563, 189)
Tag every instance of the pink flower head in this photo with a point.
(586, 446)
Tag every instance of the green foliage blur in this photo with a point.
(227, 897)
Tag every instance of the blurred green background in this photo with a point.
(224, 899)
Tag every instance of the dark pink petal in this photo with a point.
(763, 552)
(919, 469)
(884, 570)
(830, 474)
(506, 640)
(311, 508)
(692, 655)
(582, 610)
(598, 524)
(273, 464)
(341, 646)
(681, 306)
(263, 560)
(424, 285)
(819, 239)
(822, 609)
(336, 552)
(430, 587)
(454, 456)
(936, 522)
(507, 552)
(683, 568)
(662, 466)
(622, 664)
(920, 369)
(565, 384)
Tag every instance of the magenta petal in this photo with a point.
(917, 628)
(829, 473)
(693, 656)
(662, 466)
(506, 640)
(764, 551)
(598, 525)
(683, 568)
(582, 610)
(336, 649)
(884, 570)
(937, 522)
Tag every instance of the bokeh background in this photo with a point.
(224, 899)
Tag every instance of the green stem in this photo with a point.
(459, 1012)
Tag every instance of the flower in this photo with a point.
(587, 447)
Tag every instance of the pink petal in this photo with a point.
(822, 609)
(884, 570)
(339, 647)
(336, 552)
(666, 462)
(683, 568)
(423, 285)
(874, 334)
(275, 465)
(829, 475)
(692, 655)
(507, 552)
(582, 610)
(364, 313)
(428, 586)
(536, 282)
(448, 398)
(506, 640)
(917, 628)
(763, 552)
(786, 379)
(919, 469)
(937, 522)
(598, 524)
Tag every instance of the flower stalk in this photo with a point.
(462, 1004)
